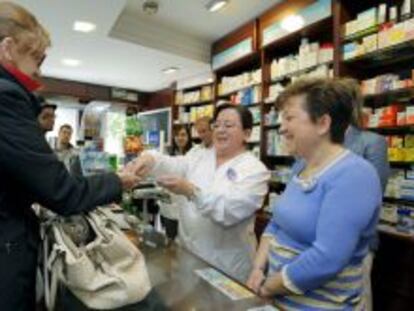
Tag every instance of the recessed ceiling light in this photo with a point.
(70, 62)
(215, 5)
(292, 23)
(210, 80)
(170, 70)
(82, 26)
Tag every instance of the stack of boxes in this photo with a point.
(396, 29)
(384, 83)
(310, 55)
(401, 148)
(235, 83)
(186, 98)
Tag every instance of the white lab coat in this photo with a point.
(218, 225)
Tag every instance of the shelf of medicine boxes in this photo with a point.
(391, 130)
(298, 73)
(402, 164)
(398, 53)
(398, 201)
(232, 92)
(361, 34)
(271, 127)
(197, 103)
(386, 97)
(391, 230)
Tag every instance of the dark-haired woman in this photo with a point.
(223, 185)
(170, 211)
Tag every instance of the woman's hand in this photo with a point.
(177, 185)
(273, 286)
(128, 180)
(141, 166)
(255, 279)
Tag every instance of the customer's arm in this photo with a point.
(349, 206)
(27, 159)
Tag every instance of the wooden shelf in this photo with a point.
(293, 39)
(398, 201)
(298, 72)
(271, 127)
(195, 87)
(392, 129)
(402, 165)
(250, 60)
(199, 103)
(361, 34)
(402, 95)
(398, 53)
(184, 123)
(391, 230)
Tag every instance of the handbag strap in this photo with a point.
(52, 265)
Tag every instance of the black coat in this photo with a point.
(30, 172)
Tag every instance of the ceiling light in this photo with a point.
(70, 62)
(210, 80)
(215, 5)
(84, 26)
(170, 70)
(292, 23)
(150, 7)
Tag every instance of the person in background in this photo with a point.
(224, 187)
(170, 212)
(204, 132)
(373, 148)
(65, 151)
(322, 226)
(182, 140)
(30, 171)
(47, 115)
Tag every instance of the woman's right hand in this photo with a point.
(255, 279)
(141, 166)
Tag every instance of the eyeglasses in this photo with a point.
(39, 58)
(225, 125)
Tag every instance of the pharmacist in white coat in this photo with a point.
(224, 187)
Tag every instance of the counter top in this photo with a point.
(171, 271)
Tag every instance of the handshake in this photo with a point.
(136, 171)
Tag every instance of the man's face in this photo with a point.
(205, 133)
(65, 134)
(46, 119)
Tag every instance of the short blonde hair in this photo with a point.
(18, 23)
(203, 120)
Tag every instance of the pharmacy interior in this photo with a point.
(198, 225)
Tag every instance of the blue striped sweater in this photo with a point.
(320, 235)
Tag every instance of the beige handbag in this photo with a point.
(107, 273)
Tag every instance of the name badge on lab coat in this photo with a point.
(231, 174)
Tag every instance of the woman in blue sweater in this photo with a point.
(322, 226)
